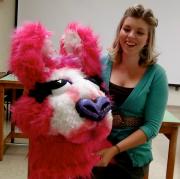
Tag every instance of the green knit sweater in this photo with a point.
(148, 101)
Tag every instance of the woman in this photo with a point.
(139, 91)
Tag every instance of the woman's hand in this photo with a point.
(106, 155)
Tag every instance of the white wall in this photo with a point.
(6, 25)
(174, 97)
(7, 11)
(103, 16)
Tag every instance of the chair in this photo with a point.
(2, 74)
(8, 99)
(7, 103)
(146, 176)
(10, 96)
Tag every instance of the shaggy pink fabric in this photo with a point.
(31, 117)
(59, 158)
(27, 60)
(54, 156)
(90, 50)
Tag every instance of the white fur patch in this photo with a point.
(66, 118)
(71, 41)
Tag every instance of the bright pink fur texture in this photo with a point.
(89, 51)
(54, 156)
(27, 61)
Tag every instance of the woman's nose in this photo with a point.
(132, 34)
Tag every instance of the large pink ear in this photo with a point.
(80, 41)
(27, 61)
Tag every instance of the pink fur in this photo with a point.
(27, 60)
(53, 154)
(89, 52)
(56, 156)
(73, 63)
(24, 112)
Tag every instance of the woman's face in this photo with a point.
(133, 35)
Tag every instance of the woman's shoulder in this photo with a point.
(157, 68)
(157, 72)
(105, 58)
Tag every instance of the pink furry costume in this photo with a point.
(64, 111)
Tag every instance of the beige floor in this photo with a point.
(14, 164)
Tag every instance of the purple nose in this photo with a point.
(93, 110)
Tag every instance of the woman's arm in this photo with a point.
(155, 105)
(133, 140)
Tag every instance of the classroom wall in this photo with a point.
(7, 12)
(7, 24)
(174, 97)
(103, 16)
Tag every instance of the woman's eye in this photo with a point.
(126, 29)
(140, 33)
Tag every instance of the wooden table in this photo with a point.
(7, 82)
(169, 126)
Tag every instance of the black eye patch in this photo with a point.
(42, 90)
(98, 81)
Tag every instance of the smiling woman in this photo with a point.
(134, 36)
(135, 82)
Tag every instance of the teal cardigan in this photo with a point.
(148, 100)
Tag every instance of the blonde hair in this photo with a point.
(148, 54)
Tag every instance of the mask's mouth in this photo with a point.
(90, 131)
